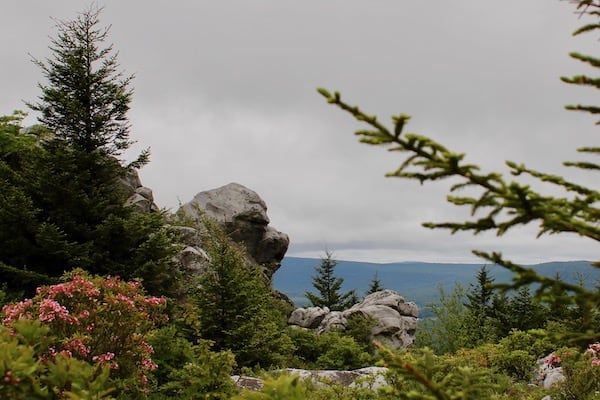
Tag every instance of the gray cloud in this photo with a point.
(225, 91)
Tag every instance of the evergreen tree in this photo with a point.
(86, 99)
(375, 284)
(479, 321)
(238, 311)
(481, 293)
(502, 314)
(526, 311)
(329, 286)
(72, 209)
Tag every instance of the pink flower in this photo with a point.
(51, 309)
(147, 347)
(552, 360)
(148, 364)
(594, 350)
(17, 311)
(155, 301)
(124, 299)
(102, 358)
(79, 346)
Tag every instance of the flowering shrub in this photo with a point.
(103, 321)
(594, 350)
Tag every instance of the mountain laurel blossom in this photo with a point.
(101, 320)
(552, 360)
(594, 350)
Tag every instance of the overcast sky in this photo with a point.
(225, 92)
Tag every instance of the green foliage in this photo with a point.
(341, 352)
(28, 375)
(375, 284)
(479, 325)
(582, 376)
(189, 371)
(499, 205)
(86, 99)
(445, 332)
(515, 355)
(422, 375)
(331, 350)
(359, 328)
(62, 205)
(237, 308)
(328, 287)
(62, 208)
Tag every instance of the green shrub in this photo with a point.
(331, 350)
(27, 373)
(582, 375)
(516, 354)
(189, 371)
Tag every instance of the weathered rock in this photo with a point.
(334, 320)
(194, 259)
(310, 317)
(138, 196)
(370, 377)
(248, 382)
(396, 319)
(553, 377)
(547, 374)
(189, 236)
(244, 216)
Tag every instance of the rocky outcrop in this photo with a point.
(396, 319)
(370, 377)
(243, 214)
(138, 195)
(309, 318)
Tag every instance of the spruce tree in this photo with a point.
(479, 322)
(329, 287)
(86, 99)
(481, 293)
(375, 284)
(237, 308)
(527, 312)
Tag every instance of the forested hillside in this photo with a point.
(417, 282)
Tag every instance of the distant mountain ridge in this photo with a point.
(415, 281)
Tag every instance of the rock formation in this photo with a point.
(396, 319)
(138, 195)
(372, 377)
(244, 216)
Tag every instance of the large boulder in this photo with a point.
(309, 318)
(243, 214)
(396, 319)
